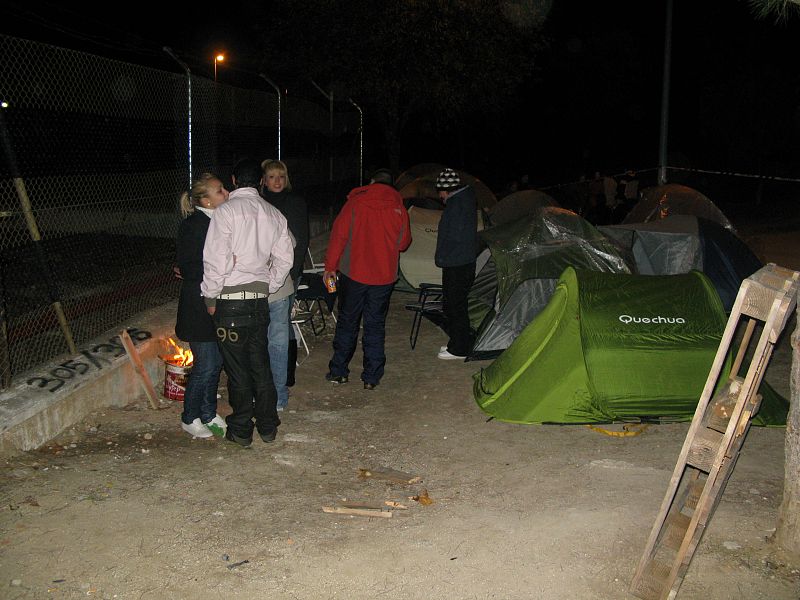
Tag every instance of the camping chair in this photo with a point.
(300, 317)
(428, 304)
(311, 296)
(315, 266)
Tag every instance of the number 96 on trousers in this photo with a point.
(227, 335)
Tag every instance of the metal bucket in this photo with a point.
(175, 377)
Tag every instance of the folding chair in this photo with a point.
(315, 267)
(429, 302)
(312, 295)
(299, 317)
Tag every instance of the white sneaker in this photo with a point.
(217, 426)
(196, 429)
(445, 355)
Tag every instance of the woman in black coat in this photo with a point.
(194, 324)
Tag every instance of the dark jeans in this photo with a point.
(456, 282)
(357, 300)
(242, 332)
(200, 397)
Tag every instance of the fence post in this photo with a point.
(169, 51)
(33, 229)
(360, 142)
(278, 91)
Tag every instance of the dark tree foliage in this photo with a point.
(401, 59)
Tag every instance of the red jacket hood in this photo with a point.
(375, 195)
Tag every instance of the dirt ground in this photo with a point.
(126, 505)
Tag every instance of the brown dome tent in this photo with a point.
(662, 201)
(518, 205)
(423, 186)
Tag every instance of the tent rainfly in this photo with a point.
(611, 347)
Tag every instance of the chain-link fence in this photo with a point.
(95, 155)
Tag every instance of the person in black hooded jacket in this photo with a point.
(194, 324)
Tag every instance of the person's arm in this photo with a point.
(189, 253)
(301, 235)
(218, 259)
(340, 232)
(281, 257)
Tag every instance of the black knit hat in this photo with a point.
(448, 180)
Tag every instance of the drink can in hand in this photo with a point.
(330, 283)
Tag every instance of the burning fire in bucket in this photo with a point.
(182, 357)
(178, 366)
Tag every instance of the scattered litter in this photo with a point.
(145, 451)
(621, 429)
(148, 436)
(225, 557)
(237, 564)
(422, 498)
(731, 545)
(218, 513)
(58, 580)
(393, 504)
(16, 582)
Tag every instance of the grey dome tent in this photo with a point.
(679, 243)
(527, 258)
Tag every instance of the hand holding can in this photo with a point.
(330, 282)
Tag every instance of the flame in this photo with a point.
(182, 358)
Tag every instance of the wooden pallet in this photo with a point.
(715, 437)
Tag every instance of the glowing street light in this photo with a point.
(218, 58)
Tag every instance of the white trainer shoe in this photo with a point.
(445, 355)
(217, 426)
(196, 429)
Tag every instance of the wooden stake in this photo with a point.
(389, 475)
(138, 366)
(358, 512)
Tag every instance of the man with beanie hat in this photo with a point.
(367, 238)
(456, 249)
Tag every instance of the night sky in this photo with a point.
(593, 103)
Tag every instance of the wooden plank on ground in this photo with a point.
(389, 475)
(358, 512)
(138, 366)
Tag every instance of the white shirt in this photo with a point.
(256, 234)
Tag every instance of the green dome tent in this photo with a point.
(611, 347)
(528, 256)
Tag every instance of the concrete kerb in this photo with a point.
(53, 397)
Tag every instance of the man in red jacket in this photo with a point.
(367, 238)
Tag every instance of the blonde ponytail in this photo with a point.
(192, 198)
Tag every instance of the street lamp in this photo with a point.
(218, 58)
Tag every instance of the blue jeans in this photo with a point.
(357, 301)
(278, 337)
(200, 397)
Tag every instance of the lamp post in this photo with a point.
(218, 58)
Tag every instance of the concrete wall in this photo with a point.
(31, 414)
